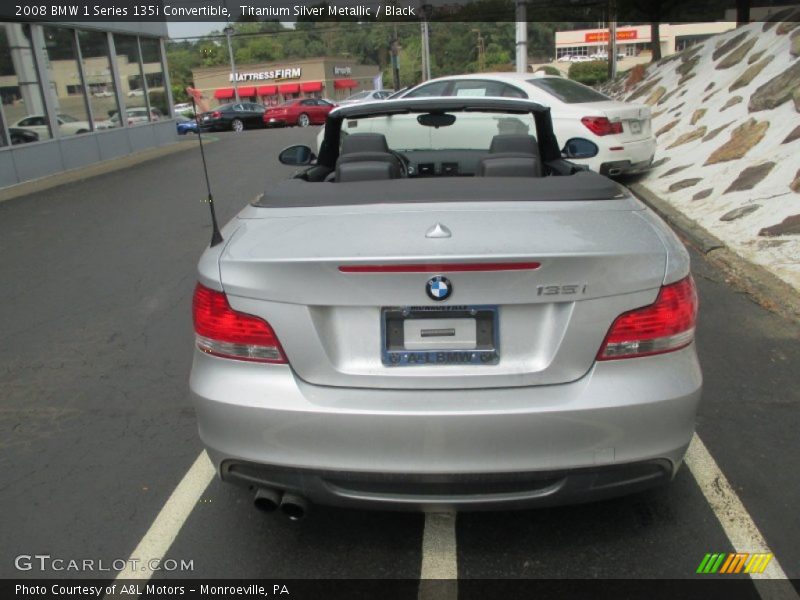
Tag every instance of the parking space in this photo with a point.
(97, 429)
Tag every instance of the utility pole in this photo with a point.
(395, 54)
(426, 47)
(522, 37)
(612, 40)
(229, 30)
(481, 51)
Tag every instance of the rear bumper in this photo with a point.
(444, 491)
(634, 157)
(622, 427)
(214, 126)
(275, 122)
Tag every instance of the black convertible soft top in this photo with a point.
(584, 185)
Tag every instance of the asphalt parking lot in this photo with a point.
(97, 428)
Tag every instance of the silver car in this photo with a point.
(442, 311)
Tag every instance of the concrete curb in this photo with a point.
(765, 288)
(106, 166)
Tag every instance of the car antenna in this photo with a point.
(216, 236)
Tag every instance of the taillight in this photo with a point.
(602, 126)
(224, 332)
(216, 114)
(664, 326)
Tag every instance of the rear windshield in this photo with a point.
(568, 91)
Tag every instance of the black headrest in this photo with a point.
(514, 142)
(364, 142)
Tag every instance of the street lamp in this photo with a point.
(229, 31)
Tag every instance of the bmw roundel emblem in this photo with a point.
(439, 288)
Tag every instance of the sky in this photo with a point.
(187, 28)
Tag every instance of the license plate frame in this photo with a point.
(394, 353)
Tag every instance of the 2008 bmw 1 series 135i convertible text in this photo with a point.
(442, 311)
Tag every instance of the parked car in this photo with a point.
(67, 124)
(236, 116)
(399, 93)
(182, 107)
(103, 94)
(604, 56)
(134, 93)
(366, 96)
(440, 311)
(22, 136)
(301, 112)
(565, 58)
(185, 125)
(622, 131)
(136, 116)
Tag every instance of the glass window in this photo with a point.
(20, 91)
(99, 80)
(31, 122)
(154, 74)
(130, 75)
(433, 89)
(480, 87)
(568, 91)
(66, 86)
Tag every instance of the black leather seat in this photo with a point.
(366, 157)
(511, 155)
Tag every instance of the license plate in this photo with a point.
(453, 335)
(636, 126)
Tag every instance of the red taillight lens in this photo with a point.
(666, 325)
(216, 114)
(601, 125)
(222, 331)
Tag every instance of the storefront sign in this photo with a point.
(290, 73)
(342, 71)
(602, 36)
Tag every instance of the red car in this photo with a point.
(302, 112)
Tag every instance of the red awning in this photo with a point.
(223, 93)
(342, 84)
(311, 86)
(289, 88)
(245, 92)
(267, 90)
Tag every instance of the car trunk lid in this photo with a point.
(635, 118)
(295, 268)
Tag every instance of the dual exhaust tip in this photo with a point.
(268, 500)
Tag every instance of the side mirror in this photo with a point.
(297, 155)
(579, 148)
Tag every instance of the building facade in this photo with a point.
(635, 40)
(274, 83)
(76, 94)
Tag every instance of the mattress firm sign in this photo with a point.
(290, 73)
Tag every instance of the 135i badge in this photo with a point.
(561, 290)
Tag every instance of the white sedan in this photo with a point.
(621, 131)
(67, 125)
(366, 96)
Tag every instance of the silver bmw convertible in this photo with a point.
(441, 311)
